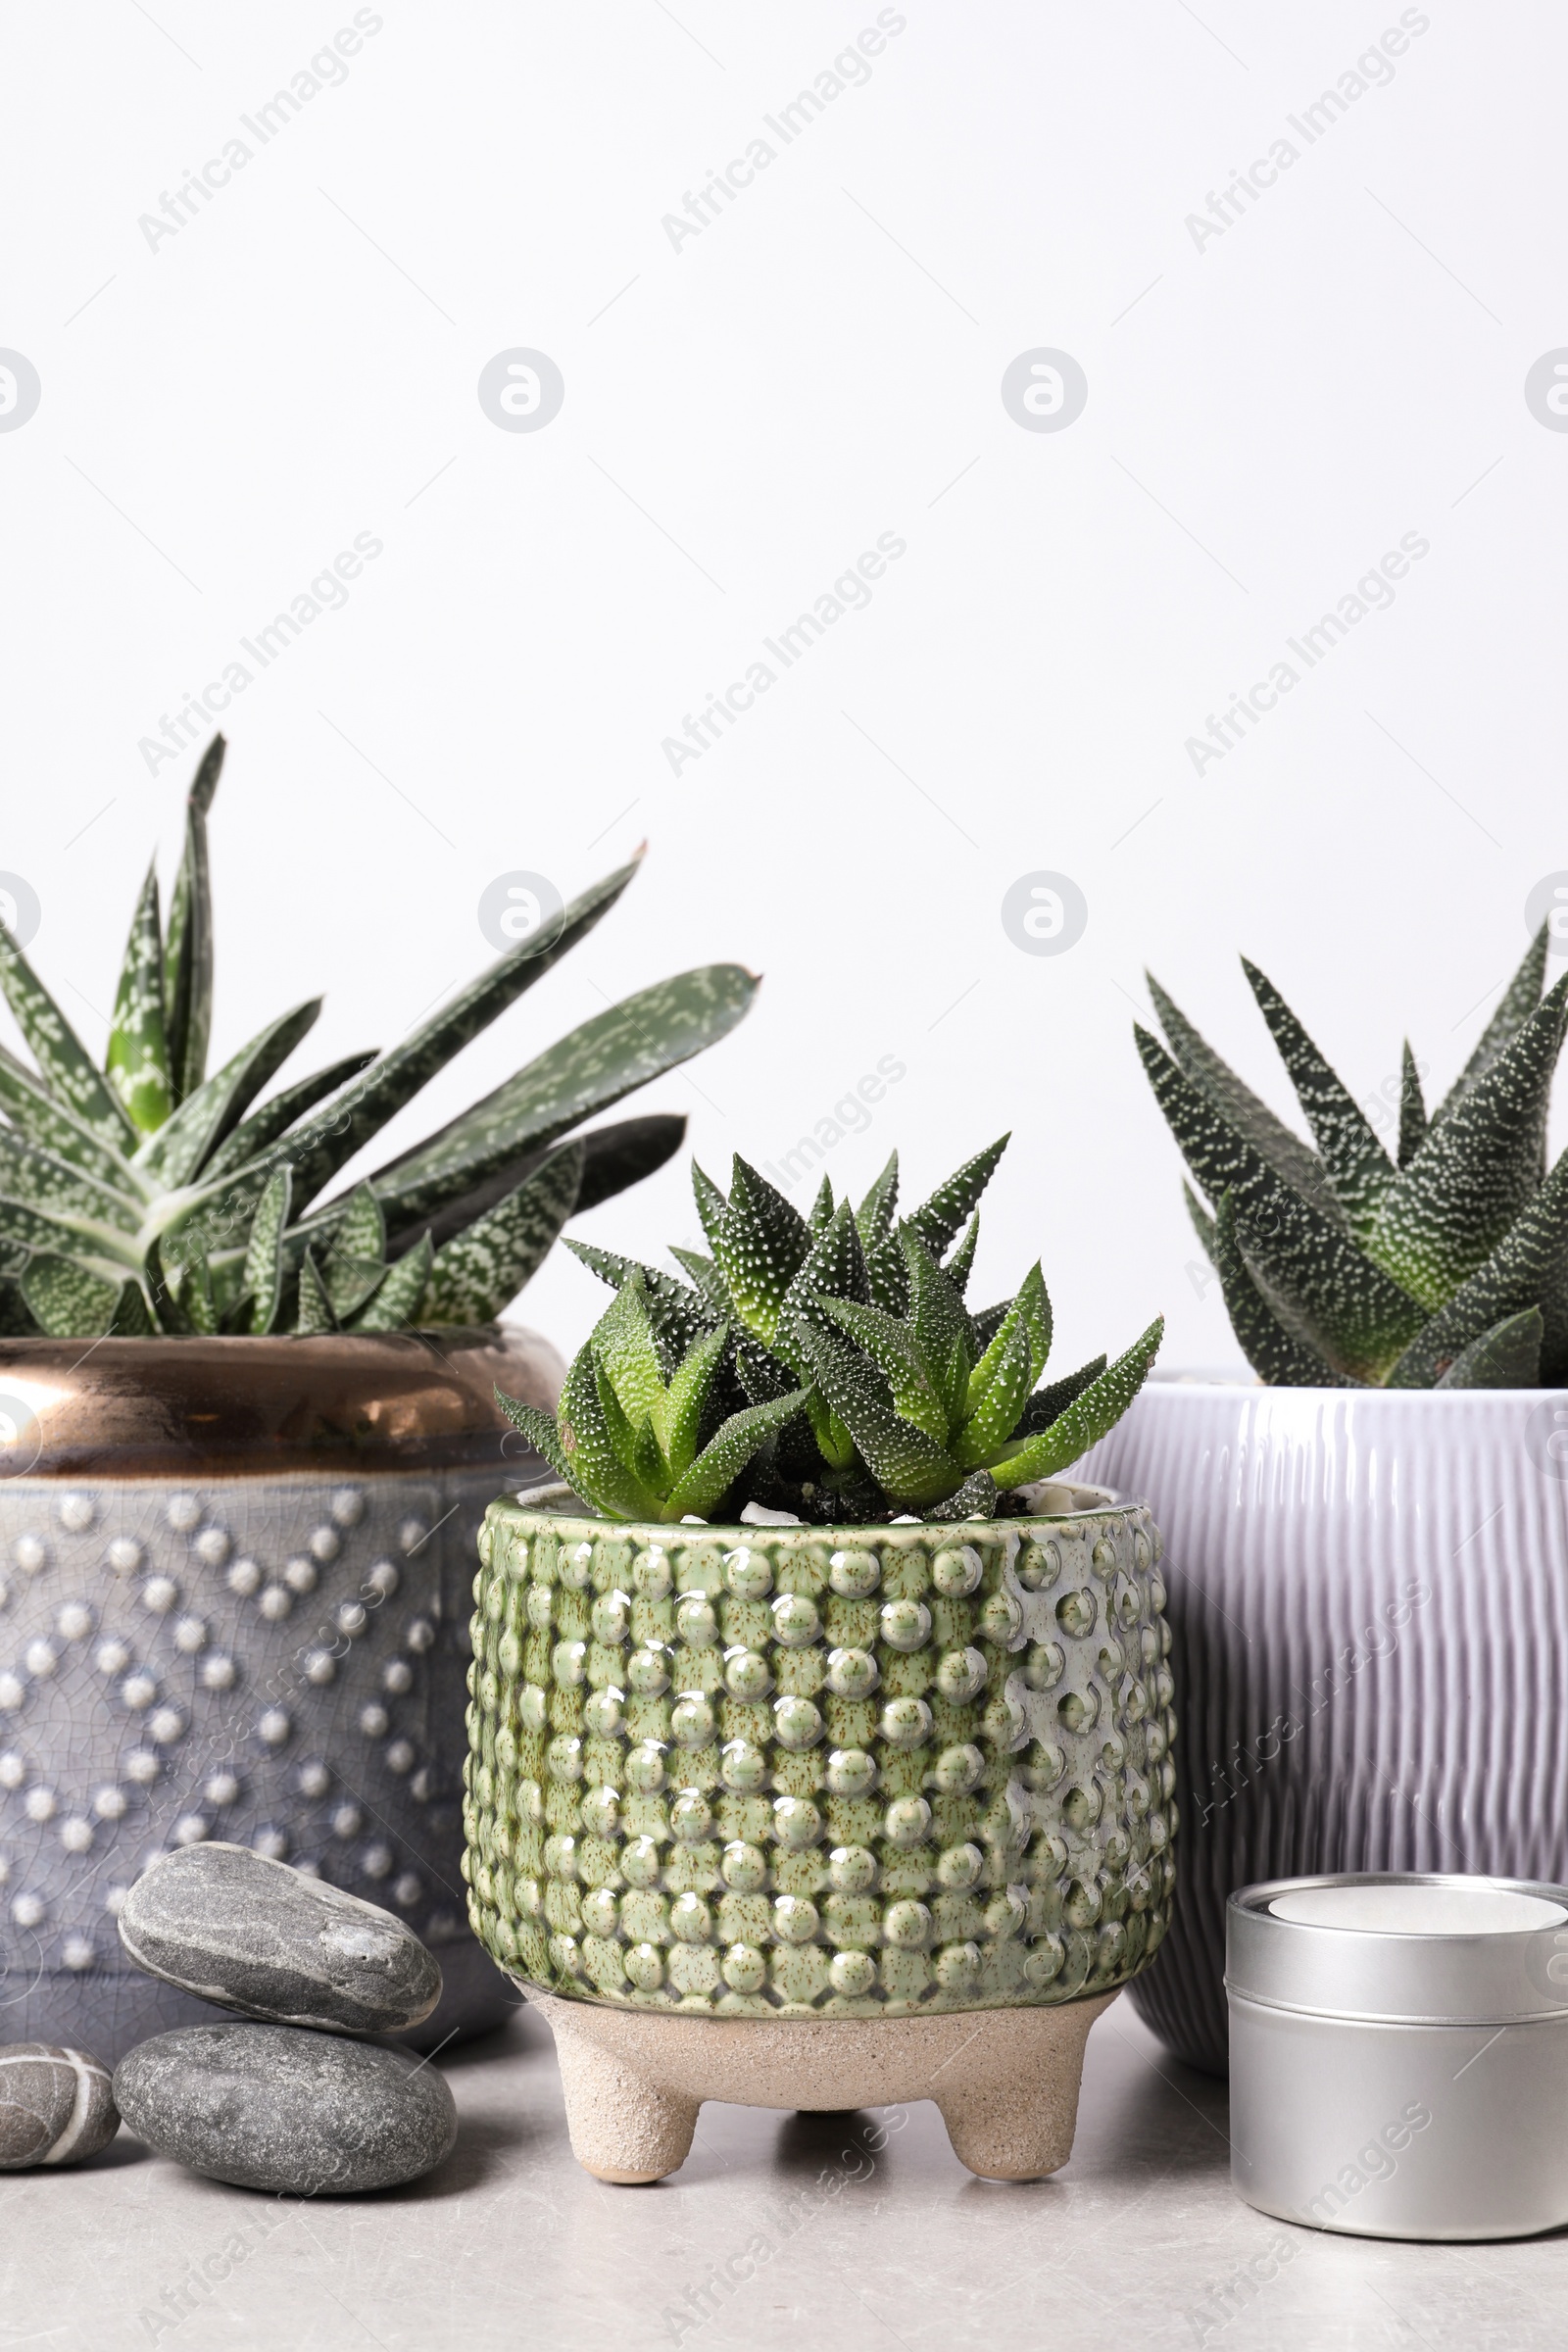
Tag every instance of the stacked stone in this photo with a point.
(292, 2102)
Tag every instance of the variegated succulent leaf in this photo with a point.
(136, 1064)
(1507, 1356)
(1085, 1420)
(176, 1150)
(314, 1313)
(42, 1119)
(188, 940)
(821, 1213)
(65, 1299)
(539, 1429)
(1528, 1268)
(65, 1065)
(726, 1455)
(679, 1316)
(1294, 1161)
(915, 1385)
(940, 1219)
(1414, 1120)
(1277, 1354)
(911, 1468)
(398, 1304)
(264, 1255)
(711, 1201)
(1518, 1001)
(478, 1273)
(875, 1215)
(761, 1244)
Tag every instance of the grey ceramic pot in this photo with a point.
(1368, 1590)
(234, 1588)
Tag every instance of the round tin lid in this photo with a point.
(1408, 1948)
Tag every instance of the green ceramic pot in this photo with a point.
(800, 1771)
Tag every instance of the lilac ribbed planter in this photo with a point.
(1368, 1591)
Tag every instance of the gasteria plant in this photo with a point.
(826, 1366)
(1445, 1267)
(150, 1199)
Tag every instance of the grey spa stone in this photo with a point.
(275, 2107)
(56, 2106)
(252, 1935)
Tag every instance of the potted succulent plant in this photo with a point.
(819, 1732)
(247, 1431)
(1368, 1549)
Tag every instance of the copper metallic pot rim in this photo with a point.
(235, 1407)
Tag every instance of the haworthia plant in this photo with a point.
(1443, 1264)
(146, 1196)
(829, 1367)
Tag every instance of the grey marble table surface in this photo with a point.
(838, 2233)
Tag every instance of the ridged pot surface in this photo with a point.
(1369, 1599)
(270, 1655)
(798, 1771)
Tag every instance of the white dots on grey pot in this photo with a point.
(184, 1512)
(271, 1843)
(167, 1725)
(40, 1659)
(78, 1953)
(399, 1756)
(191, 1634)
(40, 1804)
(191, 1829)
(111, 1803)
(31, 1553)
(346, 1821)
(75, 1622)
(324, 1545)
(159, 1594)
(76, 1513)
(111, 1657)
(276, 1604)
(12, 1692)
(374, 1721)
(418, 1636)
(347, 1506)
(124, 1555)
(300, 1574)
(407, 1890)
(319, 1667)
(218, 1671)
(411, 1535)
(28, 1911)
(139, 1690)
(312, 1778)
(383, 1578)
(275, 1727)
(397, 1676)
(212, 1546)
(220, 1789)
(423, 1787)
(350, 1618)
(114, 1899)
(77, 1834)
(244, 1578)
(142, 1767)
(12, 1770)
(376, 1861)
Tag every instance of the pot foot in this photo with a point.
(1004, 2081)
(623, 2128)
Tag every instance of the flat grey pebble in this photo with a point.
(255, 1935)
(275, 2107)
(56, 2105)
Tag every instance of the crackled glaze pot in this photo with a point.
(233, 1583)
(838, 1783)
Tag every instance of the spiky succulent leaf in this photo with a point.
(1357, 1166)
(614, 1157)
(361, 1229)
(397, 1303)
(894, 1350)
(976, 1498)
(188, 939)
(887, 1274)
(941, 1323)
(834, 1263)
(875, 1215)
(623, 1344)
(66, 1300)
(679, 1316)
(278, 1114)
(587, 1070)
(960, 1265)
(352, 1283)
(1528, 1268)
(1085, 1420)
(678, 1414)
(725, 1456)
(196, 1294)
(30, 1173)
(1507, 1356)
(760, 1246)
(131, 1319)
(1275, 1353)
(911, 1468)
(315, 1313)
(940, 1219)
(64, 1062)
(1478, 1168)
(177, 1150)
(136, 1064)
(1520, 999)
(104, 1249)
(711, 1201)
(590, 1421)
(1048, 1403)
(821, 1210)
(540, 1431)
(1239, 1107)
(476, 1275)
(53, 1127)
(1317, 1281)
(1028, 1313)
(996, 1414)
(1201, 1222)
(704, 1276)
(264, 1255)
(985, 1325)
(1414, 1120)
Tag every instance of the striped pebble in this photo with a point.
(56, 2106)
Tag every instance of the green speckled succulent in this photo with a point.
(762, 1771)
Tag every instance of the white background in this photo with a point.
(1268, 413)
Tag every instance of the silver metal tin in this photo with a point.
(1397, 2084)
